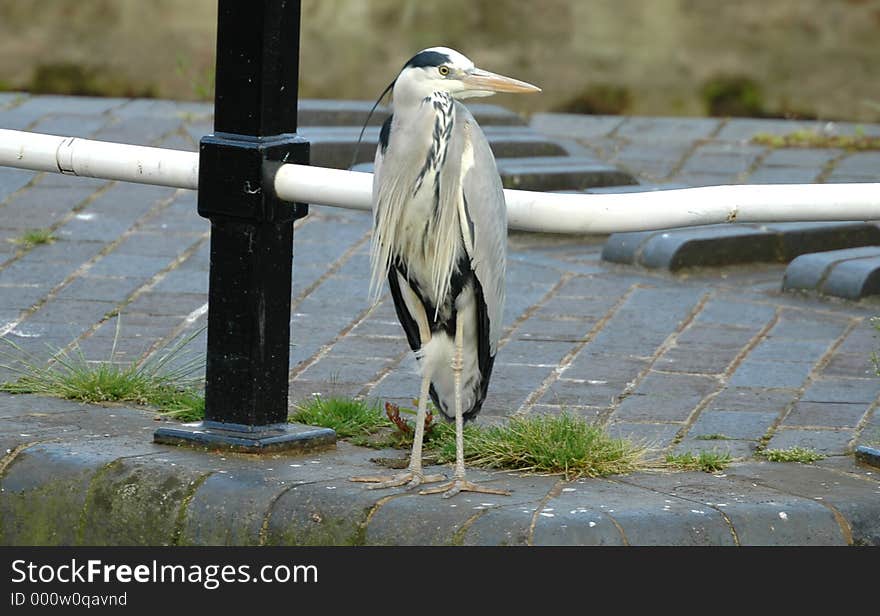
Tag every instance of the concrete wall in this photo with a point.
(819, 56)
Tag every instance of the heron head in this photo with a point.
(443, 69)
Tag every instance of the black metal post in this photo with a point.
(255, 108)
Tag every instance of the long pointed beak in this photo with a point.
(480, 80)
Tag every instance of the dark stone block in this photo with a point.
(868, 455)
(853, 279)
(800, 238)
(852, 273)
(714, 245)
(559, 173)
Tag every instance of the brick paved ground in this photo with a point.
(656, 356)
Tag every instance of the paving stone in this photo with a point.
(534, 352)
(826, 415)
(734, 424)
(859, 163)
(733, 313)
(797, 325)
(668, 397)
(714, 158)
(813, 158)
(655, 436)
(735, 448)
(840, 390)
(667, 129)
(770, 374)
(12, 180)
(183, 281)
(548, 329)
(693, 179)
(784, 175)
(122, 265)
(79, 105)
(571, 124)
(65, 251)
(696, 358)
(827, 442)
(849, 365)
(24, 272)
(582, 392)
(758, 515)
(72, 311)
(743, 129)
(20, 296)
(751, 399)
(788, 350)
(600, 369)
(70, 125)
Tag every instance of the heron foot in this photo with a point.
(451, 488)
(411, 479)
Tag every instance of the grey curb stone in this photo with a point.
(118, 489)
(852, 274)
(715, 245)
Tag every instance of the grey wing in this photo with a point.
(487, 215)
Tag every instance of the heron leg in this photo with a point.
(413, 476)
(459, 482)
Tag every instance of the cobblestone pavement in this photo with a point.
(662, 356)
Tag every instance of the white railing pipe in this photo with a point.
(527, 211)
(99, 159)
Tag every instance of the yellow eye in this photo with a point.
(444, 70)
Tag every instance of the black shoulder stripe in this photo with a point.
(410, 327)
(385, 133)
(484, 357)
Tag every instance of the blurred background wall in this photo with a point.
(795, 58)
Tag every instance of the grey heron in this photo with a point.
(439, 238)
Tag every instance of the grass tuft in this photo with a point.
(707, 461)
(816, 139)
(34, 237)
(171, 389)
(544, 444)
(712, 437)
(349, 418)
(792, 454)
